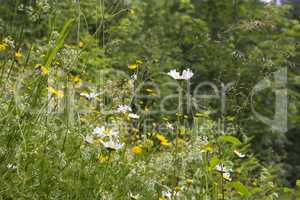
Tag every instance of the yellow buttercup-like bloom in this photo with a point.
(133, 66)
(76, 79)
(136, 150)
(163, 140)
(43, 70)
(55, 92)
(103, 158)
(18, 55)
(3, 46)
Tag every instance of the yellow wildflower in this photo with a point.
(163, 140)
(133, 66)
(103, 158)
(81, 44)
(136, 150)
(76, 79)
(18, 55)
(3, 46)
(43, 70)
(55, 92)
(189, 181)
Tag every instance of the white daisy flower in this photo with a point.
(103, 132)
(166, 194)
(112, 145)
(90, 95)
(221, 168)
(123, 108)
(186, 74)
(227, 176)
(174, 74)
(133, 116)
(100, 132)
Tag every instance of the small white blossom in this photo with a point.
(186, 74)
(221, 168)
(133, 116)
(99, 131)
(102, 132)
(174, 74)
(112, 145)
(123, 108)
(167, 195)
(90, 95)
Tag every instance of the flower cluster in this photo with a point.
(106, 136)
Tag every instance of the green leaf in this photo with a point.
(241, 188)
(287, 190)
(298, 183)
(231, 139)
(60, 41)
(213, 162)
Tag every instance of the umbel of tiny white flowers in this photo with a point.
(186, 74)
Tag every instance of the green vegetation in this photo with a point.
(156, 99)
